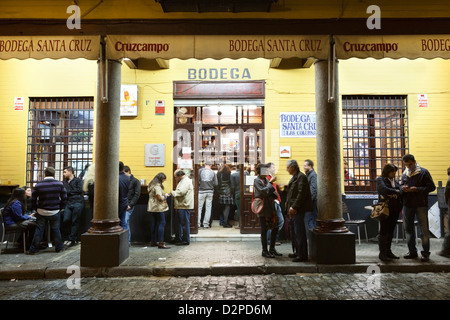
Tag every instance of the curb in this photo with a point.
(213, 270)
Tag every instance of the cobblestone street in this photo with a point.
(338, 286)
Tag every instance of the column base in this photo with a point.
(332, 248)
(104, 250)
(105, 226)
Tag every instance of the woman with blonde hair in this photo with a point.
(157, 207)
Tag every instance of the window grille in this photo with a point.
(60, 134)
(375, 132)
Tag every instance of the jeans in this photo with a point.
(126, 222)
(237, 199)
(311, 216)
(71, 221)
(205, 198)
(422, 217)
(157, 226)
(184, 232)
(280, 219)
(41, 222)
(264, 232)
(299, 241)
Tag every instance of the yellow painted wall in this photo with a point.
(429, 132)
(286, 91)
(32, 78)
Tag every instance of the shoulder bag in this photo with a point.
(380, 211)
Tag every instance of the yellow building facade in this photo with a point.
(286, 90)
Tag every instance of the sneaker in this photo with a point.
(411, 255)
(71, 244)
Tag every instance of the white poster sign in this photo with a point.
(297, 124)
(434, 220)
(155, 155)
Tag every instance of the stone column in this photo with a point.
(331, 242)
(106, 243)
(329, 202)
(107, 130)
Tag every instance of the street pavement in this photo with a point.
(222, 258)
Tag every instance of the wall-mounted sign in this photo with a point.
(297, 124)
(128, 100)
(423, 100)
(285, 152)
(155, 155)
(160, 107)
(18, 103)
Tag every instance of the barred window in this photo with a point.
(375, 132)
(60, 133)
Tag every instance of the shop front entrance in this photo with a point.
(221, 123)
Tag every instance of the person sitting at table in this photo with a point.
(14, 216)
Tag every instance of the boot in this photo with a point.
(382, 245)
(388, 249)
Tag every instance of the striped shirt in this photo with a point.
(49, 195)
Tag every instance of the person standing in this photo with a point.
(264, 189)
(445, 251)
(298, 202)
(157, 207)
(48, 198)
(388, 190)
(236, 191)
(225, 199)
(74, 207)
(207, 181)
(183, 197)
(417, 183)
(311, 216)
(134, 192)
(124, 187)
(272, 178)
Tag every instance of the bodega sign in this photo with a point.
(52, 47)
(297, 124)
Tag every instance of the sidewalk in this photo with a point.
(209, 258)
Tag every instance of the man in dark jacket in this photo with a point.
(297, 203)
(74, 206)
(416, 183)
(311, 216)
(124, 186)
(48, 198)
(134, 192)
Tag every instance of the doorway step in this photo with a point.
(219, 233)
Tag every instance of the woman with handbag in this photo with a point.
(389, 191)
(157, 207)
(263, 189)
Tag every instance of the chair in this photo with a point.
(10, 230)
(356, 223)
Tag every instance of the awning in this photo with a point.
(216, 47)
(393, 46)
(51, 47)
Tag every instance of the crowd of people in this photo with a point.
(60, 205)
